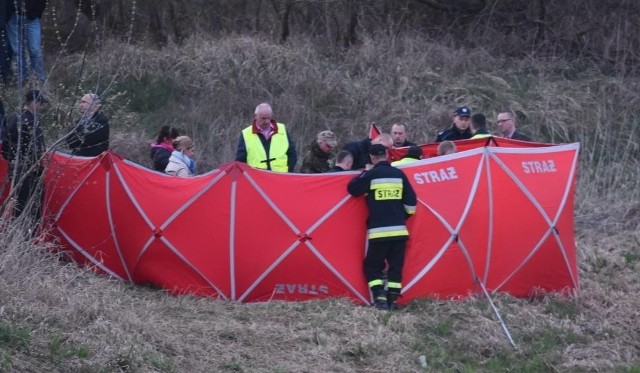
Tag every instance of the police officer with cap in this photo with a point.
(459, 130)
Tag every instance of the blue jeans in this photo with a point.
(21, 31)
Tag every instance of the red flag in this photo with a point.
(374, 131)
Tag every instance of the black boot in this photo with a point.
(380, 299)
(391, 300)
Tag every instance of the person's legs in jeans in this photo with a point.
(14, 34)
(33, 36)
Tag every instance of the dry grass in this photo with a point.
(59, 318)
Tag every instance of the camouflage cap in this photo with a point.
(328, 137)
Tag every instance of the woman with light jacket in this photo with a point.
(181, 163)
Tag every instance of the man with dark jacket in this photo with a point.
(506, 122)
(23, 147)
(24, 27)
(360, 149)
(399, 133)
(390, 200)
(459, 130)
(90, 136)
(344, 162)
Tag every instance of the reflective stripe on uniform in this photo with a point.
(394, 285)
(410, 209)
(383, 232)
(376, 282)
(392, 182)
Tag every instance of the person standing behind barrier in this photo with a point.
(479, 126)
(23, 147)
(317, 159)
(506, 122)
(162, 148)
(266, 144)
(24, 32)
(414, 153)
(90, 136)
(181, 162)
(344, 162)
(390, 200)
(399, 135)
(459, 130)
(6, 54)
(446, 147)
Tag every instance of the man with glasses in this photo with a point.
(506, 123)
(90, 136)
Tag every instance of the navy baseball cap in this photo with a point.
(463, 111)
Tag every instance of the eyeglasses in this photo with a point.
(502, 120)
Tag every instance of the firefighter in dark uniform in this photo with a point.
(391, 200)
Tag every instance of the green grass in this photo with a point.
(14, 337)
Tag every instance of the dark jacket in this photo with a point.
(360, 152)
(160, 157)
(406, 143)
(517, 135)
(390, 199)
(336, 169)
(30, 148)
(90, 137)
(453, 133)
(33, 8)
(316, 161)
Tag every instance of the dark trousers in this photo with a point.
(374, 263)
(5, 53)
(28, 195)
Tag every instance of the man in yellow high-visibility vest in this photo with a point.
(479, 126)
(266, 144)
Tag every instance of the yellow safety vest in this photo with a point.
(481, 135)
(256, 154)
(403, 161)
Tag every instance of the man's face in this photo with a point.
(399, 134)
(263, 119)
(461, 123)
(325, 146)
(39, 106)
(348, 163)
(505, 124)
(87, 103)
